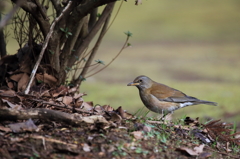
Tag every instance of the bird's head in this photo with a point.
(141, 82)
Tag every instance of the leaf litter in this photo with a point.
(60, 123)
(56, 122)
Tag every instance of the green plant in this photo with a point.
(66, 31)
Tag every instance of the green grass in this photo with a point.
(208, 71)
(179, 20)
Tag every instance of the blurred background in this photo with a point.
(192, 46)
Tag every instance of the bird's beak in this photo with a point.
(132, 84)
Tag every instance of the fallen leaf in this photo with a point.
(86, 147)
(11, 105)
(137, 134)
(73, 89)
(115, 117)
(24, 126)
(7, 93)
(46, 78)
(67, 100)
(142, 127)
(23, 81)
(199, 149)
(5, 129)
(87, 105)
(78, 102)
(193, 152)
(78, 95)
(107, 108)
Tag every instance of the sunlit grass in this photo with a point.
(204, 71)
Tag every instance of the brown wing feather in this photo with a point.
(168, 94)
(162, 91)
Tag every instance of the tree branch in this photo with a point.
(57, 6)
(3, 51)
(41, 10)
(44, 48)
(52, 115)
(94, 51)
(85, 42)
(93, 18)
(32, 9)
(10, 14)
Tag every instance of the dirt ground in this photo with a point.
(53, 126)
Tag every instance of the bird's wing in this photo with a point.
(180, 99)
(168, 94)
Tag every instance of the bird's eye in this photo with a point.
(140, 80)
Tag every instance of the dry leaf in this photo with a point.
(16, 77)
(107, 108)
(7, 93)
(142, 127)
(94, 119)
(193, 152)
(78, 95)
(62, 90)
(87, 106)
(137, 134)
(11, 105)
(25, 126)
(86, 147)
(115, 117)
(2, 128)
(23, 81)
(10, 85)
(78, 102)
(67, 100)
(46, 78)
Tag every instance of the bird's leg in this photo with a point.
(164, 114)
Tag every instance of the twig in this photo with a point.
(61, 106)
(124, 46)
(10, 15)
(44, 48)
(95, 49)
(91, 35)
(52, 115)
(41, 10)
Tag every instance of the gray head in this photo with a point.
(141, 82)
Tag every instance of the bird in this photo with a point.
(161, 98)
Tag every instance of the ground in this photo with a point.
(54, 128)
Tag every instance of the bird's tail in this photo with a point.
(206, 102)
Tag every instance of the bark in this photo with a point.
(86, 41)
(2, 43)
(50, 115)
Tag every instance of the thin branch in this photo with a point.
(124, 46)
(93, 18)
(90, 36)
(57, 6)
(40, 8)
(9, 16)
(68, 47)
(95, 49)
(52, 115)
(44, 47)
(32, 9)
(3, 51)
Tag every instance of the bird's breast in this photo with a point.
(155, 105)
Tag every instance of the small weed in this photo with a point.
(67, 33)
(120, 151)
(140, 150)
